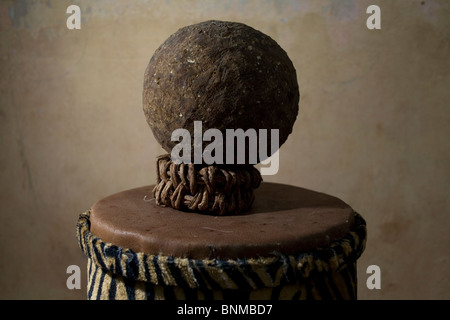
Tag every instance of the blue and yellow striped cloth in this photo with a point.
(121, 273)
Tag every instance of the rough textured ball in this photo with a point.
(225, 74)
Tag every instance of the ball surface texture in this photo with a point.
(227, 75)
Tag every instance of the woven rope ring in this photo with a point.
(209, 189)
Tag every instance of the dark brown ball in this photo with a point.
(225, 74)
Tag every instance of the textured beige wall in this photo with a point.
(373, 128)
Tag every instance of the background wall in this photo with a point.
(373, 127)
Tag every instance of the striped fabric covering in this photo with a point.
(120, 273)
